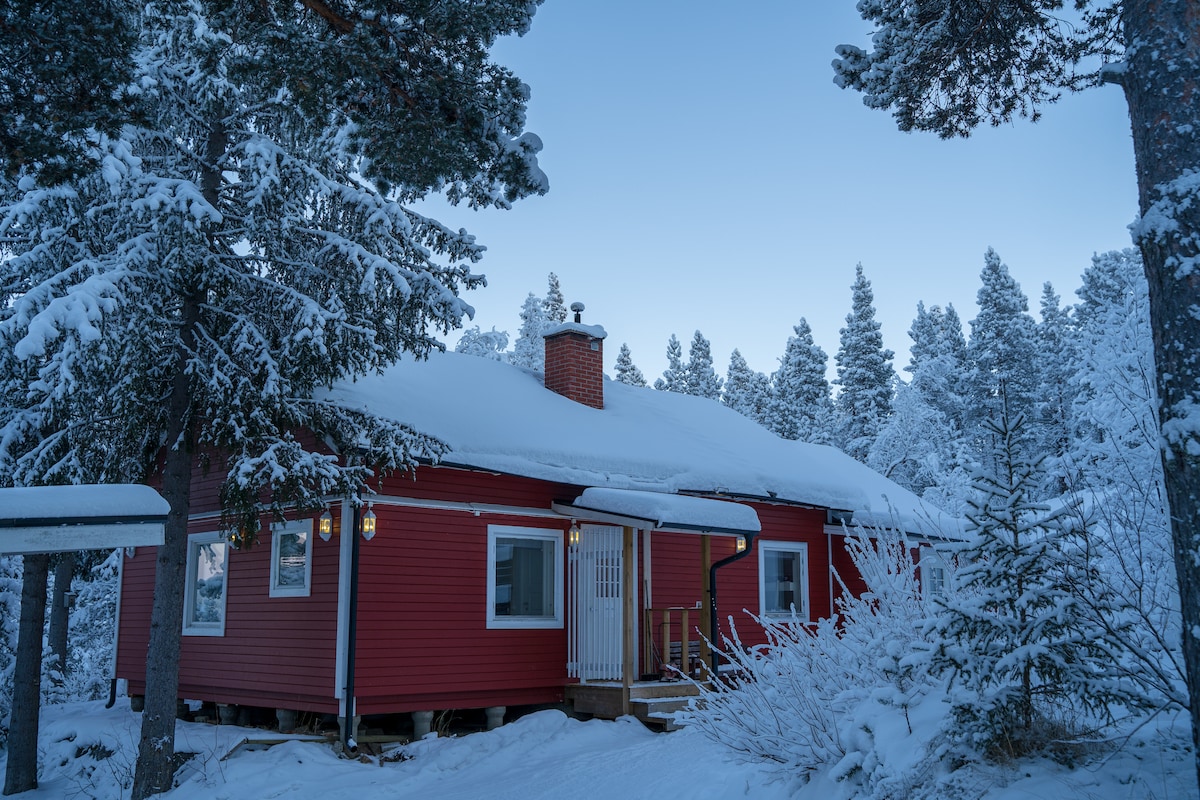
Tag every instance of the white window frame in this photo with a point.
(496, 532)
(278, 531)
(194, 542)
(931, 559)
(792, 548)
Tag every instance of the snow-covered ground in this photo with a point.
(87, 752)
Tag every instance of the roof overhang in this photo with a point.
(53, 519)
(661, 511)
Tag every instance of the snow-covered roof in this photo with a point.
(501, 418)
(48, 519)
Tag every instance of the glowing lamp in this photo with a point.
(325, 526)
(368, 524)
(741, 544)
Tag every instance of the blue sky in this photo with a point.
(706, 173)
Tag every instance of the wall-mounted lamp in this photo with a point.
(325, 526)
(573, 534)
(741, 544)
(368, 524)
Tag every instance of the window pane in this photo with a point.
(293, 558)
(524, 577)
(783, 581)
(207, 584)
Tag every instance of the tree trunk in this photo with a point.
(1162, 88)
(21, 772)
(156, 751)
(60, 612)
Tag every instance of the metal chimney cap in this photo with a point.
(577, 307)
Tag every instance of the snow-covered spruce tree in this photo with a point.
(912, 447)
(529, 350)
(1029, 669)
(484, 344)
(554, 308)
(865, 375)
(938, 363)
(1002, 351)
(746, 391)
(702, 378)
(959, 65)
(244, 243)
(674, 377)
(801, 407)
(1056, 360)
(627, 371)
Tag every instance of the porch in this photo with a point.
(652, 702)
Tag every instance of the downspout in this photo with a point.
(112, 683)
(349, 729)
(712, 598)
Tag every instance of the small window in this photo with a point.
(525, 578)
(783, 579)
(934, 575)
(204, 598)
(291, 559)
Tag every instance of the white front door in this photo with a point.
(595, 641)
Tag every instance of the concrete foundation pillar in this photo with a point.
(227, 713)
(422, 722)
(495, 716)
(286, 718)
(137, 702)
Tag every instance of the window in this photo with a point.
(525, 577)
(291, 559)
(204, 598)
(934, 575)
(783, 579)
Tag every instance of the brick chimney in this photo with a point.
(575, 360)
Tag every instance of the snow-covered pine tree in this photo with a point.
(63, 76)
(554, 308)
(1056, 361)
(1002, 351)
(627, 371)
(1029, 667)
(934, 398)
(674, 377)
(912, 447)
(865, 375)
(484, 344)
(800, 406)
(746, 391)
(957, 65)
(529, 350)
(243, 244)
(702, 378)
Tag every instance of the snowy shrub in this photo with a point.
(836, 694)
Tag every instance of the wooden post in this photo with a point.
(629, 621)
(705, 618)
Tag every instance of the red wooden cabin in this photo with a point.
(556, 545)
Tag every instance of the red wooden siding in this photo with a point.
(276, 651)
(423, 641)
